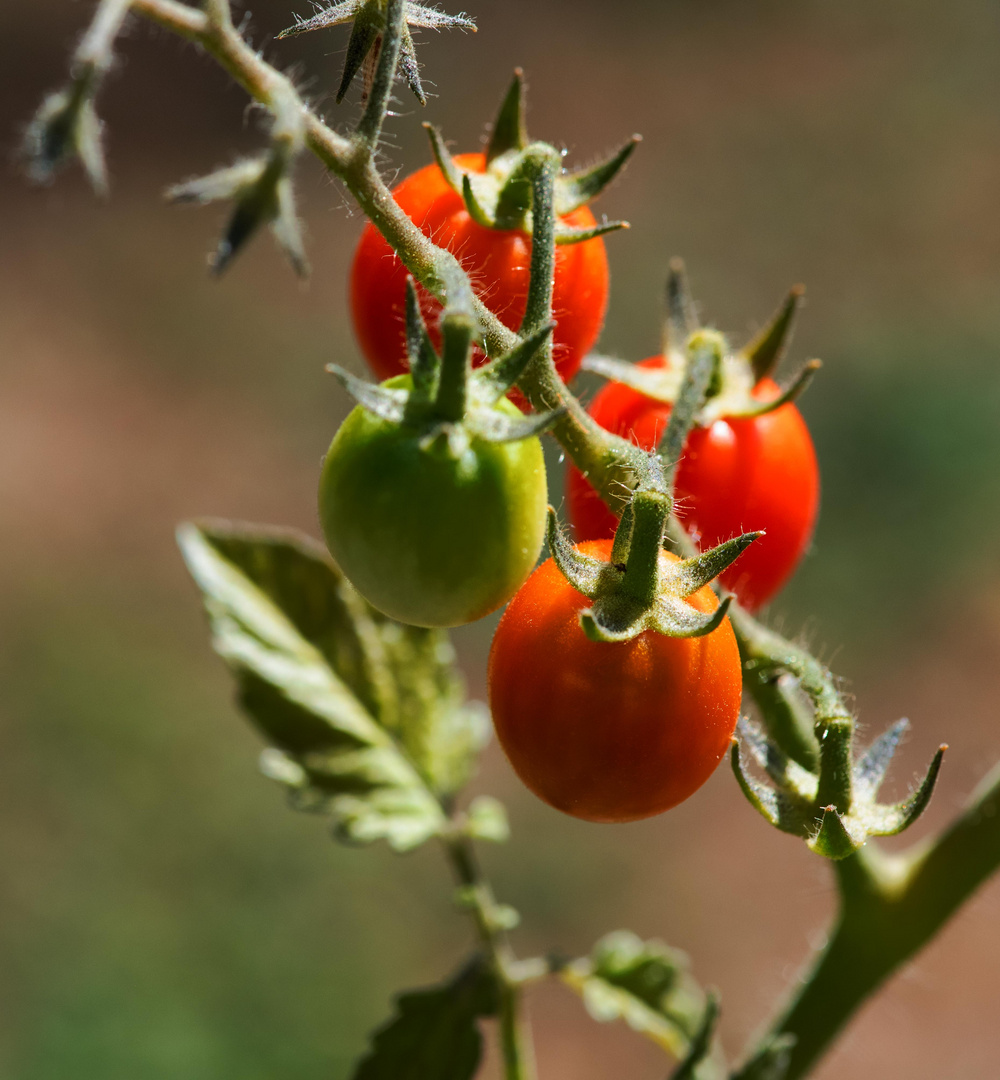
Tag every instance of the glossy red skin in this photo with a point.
(609, 732)
(735, 476)
(498, 261)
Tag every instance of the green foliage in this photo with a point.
(367, 717)
(645, 983)
(434, 1034)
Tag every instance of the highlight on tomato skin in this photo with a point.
(736, 475)
(498, 262)
(609, 732)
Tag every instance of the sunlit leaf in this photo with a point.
(366, 718)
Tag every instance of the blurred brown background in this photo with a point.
(162, 915)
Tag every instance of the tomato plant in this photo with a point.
(429, 533)
(736, 474)
(498, 262)
(615, 674)
(609, 731)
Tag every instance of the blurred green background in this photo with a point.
(162, 914)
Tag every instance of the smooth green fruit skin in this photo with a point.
(427, 539)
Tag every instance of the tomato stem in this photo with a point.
(650, 510)
(515, 1035)
(705, 349)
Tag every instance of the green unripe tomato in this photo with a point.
(429, 538)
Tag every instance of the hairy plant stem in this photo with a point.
(515, 1038)
(890, 907)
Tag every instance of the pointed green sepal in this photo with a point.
(579, 187)
(682, 319)
(583, 572)
(781, 809)
(659, 383)
(445, 162)
(700, 1049)
(408, 66)
(766, 350)
(871, 769)
(501, 374)
(762, 798)
(786, 773)
(382, 401)
(425, 367)
(678, 619)
(509, 131)
(476, 209)
(567, 234)
(833, 840)
(795, 389)
(331, 16)
(890, 820)
(493, 426)
(513, 204)
(365, 35)
(693, 574)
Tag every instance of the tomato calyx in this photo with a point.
(834, 807)
(738, 389)
(443, 398)
(638, 589)
(500, 196)
(368, 19)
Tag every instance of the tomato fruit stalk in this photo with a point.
(738, 473)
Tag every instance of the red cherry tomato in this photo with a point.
(736, 475)
(609, 731)
(499, 263)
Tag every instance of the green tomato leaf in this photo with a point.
(434, 1034)
(645, 983)
(366, 717)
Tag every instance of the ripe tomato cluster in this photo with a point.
(605, 731)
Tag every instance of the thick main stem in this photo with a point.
(890, 907)
(515, 1039)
